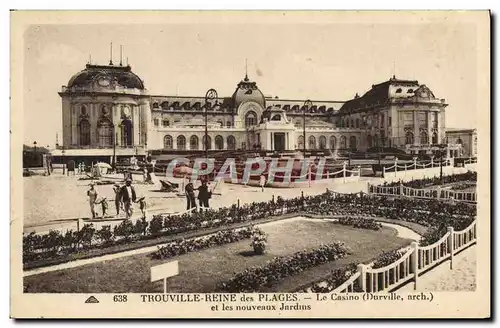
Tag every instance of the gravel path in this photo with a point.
(441, 279)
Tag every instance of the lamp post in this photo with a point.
(115, 138)
(307, 104)
(34, 146)
(63, 161)
(210, 95)
(441, 152)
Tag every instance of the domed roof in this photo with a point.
(122, 75)
(248, 91)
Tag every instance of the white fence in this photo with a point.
(414, 263)
(417, 170)
(436, 193)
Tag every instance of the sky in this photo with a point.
(319, 61)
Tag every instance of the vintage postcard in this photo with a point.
(237, 164)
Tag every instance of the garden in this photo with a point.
(259, 246)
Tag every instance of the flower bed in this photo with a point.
(255, 278)
(361, 223)
(182, 246)
(435, 181)
(336, 278)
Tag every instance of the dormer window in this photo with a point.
(399, 90)
(276, 117)
(409, 91)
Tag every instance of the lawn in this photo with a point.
(200, 271)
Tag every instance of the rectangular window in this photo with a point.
(156, 122)
(390, 121)
(228, 124)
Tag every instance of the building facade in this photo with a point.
(107, 111)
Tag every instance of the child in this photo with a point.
(142, 205)
(104, 206)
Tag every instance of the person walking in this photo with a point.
(204, 195)
(118, 203)
(262, 181)
(190, 198)
(127, 196)
(142, 206)
(92, 195)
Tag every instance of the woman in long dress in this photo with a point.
(92, 195)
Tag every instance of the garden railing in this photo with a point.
(414, 263)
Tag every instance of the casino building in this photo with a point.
(107, 112)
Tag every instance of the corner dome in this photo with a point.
(248, 91)
(122, 75)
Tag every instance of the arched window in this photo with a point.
(409, 91)
(168, 142)
(409, 138)
(181, 142)
(194, 143)
(220, 123)
(343, 142)
(333, 142)
(424, 139)
(357, 123)
(166, 123)
(84, 132)
(300, 142)
(369, 141)
(375, 140)
(399, 90)
(434, 138)
(353, 143)
(127, 133)
(219, 142)
(322, 142)
(231, 143)
(105, 133)
(250, 119)
(228, 124)
(207, 145)
(312, 142)
(459, 141)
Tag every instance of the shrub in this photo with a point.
(141, 226)
(86, 235)
(105, 235)
(259, 241)
(156, 224)
(125, 229)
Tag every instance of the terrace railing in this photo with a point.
(427, 193)
(417, 261)
(415, 166)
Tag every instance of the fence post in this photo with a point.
(432, 161)
(303, 202)
(362, 276)
(401, 190)
(238, 203)
(396, 167)
(450, 242)
(344, 171)
(414, 246)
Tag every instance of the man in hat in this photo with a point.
(92, 195)
(127, 196)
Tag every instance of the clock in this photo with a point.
(126, 111)
(103, 82)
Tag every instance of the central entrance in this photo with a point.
(279, 141)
